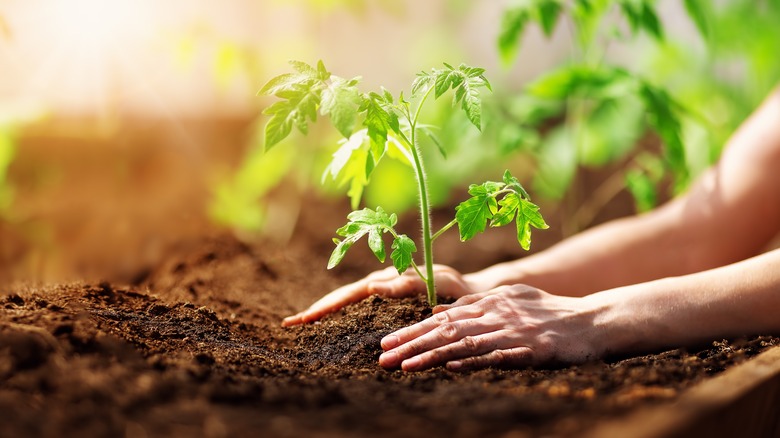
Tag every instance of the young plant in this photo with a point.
(390, 126)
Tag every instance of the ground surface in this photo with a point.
(196, 350)
(136, 318)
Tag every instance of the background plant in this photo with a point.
(7, 150)
(391, 127)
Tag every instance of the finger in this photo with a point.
(330, 303)
(468, 346)
(398, 287)
(407, 334)
(519, 357)
(464, 301)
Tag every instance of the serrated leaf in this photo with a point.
(376, 244)
(446, 79)
(472, 105)
(339, 252)
(279, 126)
(340, 101)
(300, 107)
(305, 69)
(282, 82)
(528, 216)
(403, 247)
(362, 222)
(378, 121)
(506, 213)
(421, 84)
(472, 214)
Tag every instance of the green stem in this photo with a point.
(443, 229)
(425, 211)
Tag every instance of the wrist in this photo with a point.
(616, 324)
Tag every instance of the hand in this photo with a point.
(511, 326)
(387, 283)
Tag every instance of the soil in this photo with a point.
(196, 350)
(185, 340)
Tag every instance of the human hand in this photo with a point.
(511, 326)
(387, 283)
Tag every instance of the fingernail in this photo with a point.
(454, 365)
(390, 341)
(388, 359)
(411, 364)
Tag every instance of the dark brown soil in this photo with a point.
(182, 336)
(196, 350)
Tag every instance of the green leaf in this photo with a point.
(610, 130)
(309, 71)
(547, 12)
(528, 216)
(662, 117)
(557, 163)
(340, 101)
(515, 19)
(350, 165)
(507, 212)
(376, 244)
(301, 93)
(339, 252)
(379, 122)
(641, 16)
(362, 222)
(642, 189)
(280, 124)
(513, 23)
(421, 84)
(600, 82)
(698, 10)
(472, 214)
(403, 247)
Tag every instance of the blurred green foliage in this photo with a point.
(7, 151)
(588, 111)
(727, 80)
(690, 92)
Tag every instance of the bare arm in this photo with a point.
(520, 326)
(728, 215)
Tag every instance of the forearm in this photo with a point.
(618, 253)
(735, 300)
(728, 215)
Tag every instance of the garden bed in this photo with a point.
(182, 336)
(195, 348)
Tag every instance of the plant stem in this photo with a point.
(425, 210)
(443, 229)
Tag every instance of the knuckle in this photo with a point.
(448, 331)
(441, 318)
(499, 357)
(471, 344)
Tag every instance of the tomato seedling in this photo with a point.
(390, 126)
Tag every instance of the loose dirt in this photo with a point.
(195, 349)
